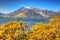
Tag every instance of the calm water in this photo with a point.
(26, 20)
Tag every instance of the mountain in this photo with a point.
(1, 14)
(30, 12)
(58, 13)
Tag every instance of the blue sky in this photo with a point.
(7, 6)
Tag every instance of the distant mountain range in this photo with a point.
(29, 12)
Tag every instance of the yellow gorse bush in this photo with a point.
(14, 30)
(50, 31)
(11, 30)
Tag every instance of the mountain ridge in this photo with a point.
(29, 12)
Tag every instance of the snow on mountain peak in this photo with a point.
(28, 7)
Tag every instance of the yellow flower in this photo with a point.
(8, 35)
(57, 38)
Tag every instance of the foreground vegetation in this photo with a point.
(19, 30)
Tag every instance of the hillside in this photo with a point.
(30, 12)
